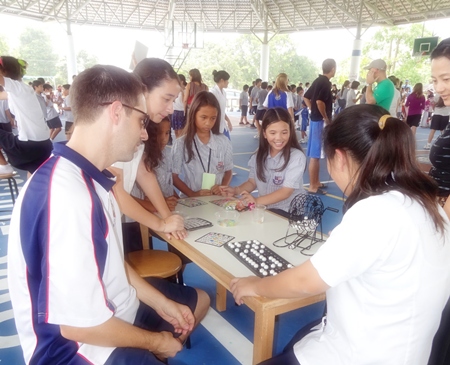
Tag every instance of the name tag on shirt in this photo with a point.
(208, 180)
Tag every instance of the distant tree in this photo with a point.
(395, 46)
(4, 48)
(35, 47)
(284, 58)
(241, 59)
(84, 61)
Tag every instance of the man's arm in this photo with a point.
(307, 102)
(180, 316)
(323, 110)
(117, 333)
(370, 98)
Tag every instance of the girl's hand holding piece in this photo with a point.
(215, 190)
(247, 198)
(227, 191)
(203, 192)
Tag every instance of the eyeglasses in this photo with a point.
(144, 122)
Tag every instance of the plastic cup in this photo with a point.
(258, 213)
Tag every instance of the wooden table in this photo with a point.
(222, 266)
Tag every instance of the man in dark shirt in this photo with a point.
(319, 100)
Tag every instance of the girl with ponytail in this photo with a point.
(384, 268)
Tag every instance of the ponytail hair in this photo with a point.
(384, 149)
(220, 75)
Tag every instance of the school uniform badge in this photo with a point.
(220, 166)
(278, 180)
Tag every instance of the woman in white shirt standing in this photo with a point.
(384, 268)
(221, 79)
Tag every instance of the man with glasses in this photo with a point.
(75, 301)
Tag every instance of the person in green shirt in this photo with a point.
(383, 93)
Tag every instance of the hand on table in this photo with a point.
(171, 202)
(243, 287)
(173, 223)
(247, 198)
(227, 191)
(216, 190)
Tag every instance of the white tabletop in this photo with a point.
(273, 228)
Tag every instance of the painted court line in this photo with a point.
(9, 341)
(4, 298)
(229, 337)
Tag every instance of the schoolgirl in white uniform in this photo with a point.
(276, 169)
(384, 268)
(202, 158)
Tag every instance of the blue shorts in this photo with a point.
(315, 139)
(149, 320)
(304, 124)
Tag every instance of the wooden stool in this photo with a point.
(12, 183)
(155, 263)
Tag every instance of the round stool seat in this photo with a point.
(155, 263)
(8, 176)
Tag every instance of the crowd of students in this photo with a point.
(386, 277)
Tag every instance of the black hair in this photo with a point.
(201, 99)
(264, 85)
(245, 87)
(355, 84)
(153, 71)
(37, 83)
(274, 115)
(441, 50)
(48, 86)
(385, 157)
(10, 67)
(182, 79)
(220, 75)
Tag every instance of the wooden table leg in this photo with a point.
(221, 298)
(263, 336)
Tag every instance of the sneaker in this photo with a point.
(427, 146)
(256, 136)
(6, 169)
(242, 123)
(252, 126)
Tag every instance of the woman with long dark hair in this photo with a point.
(194, 86)
(385, 268)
